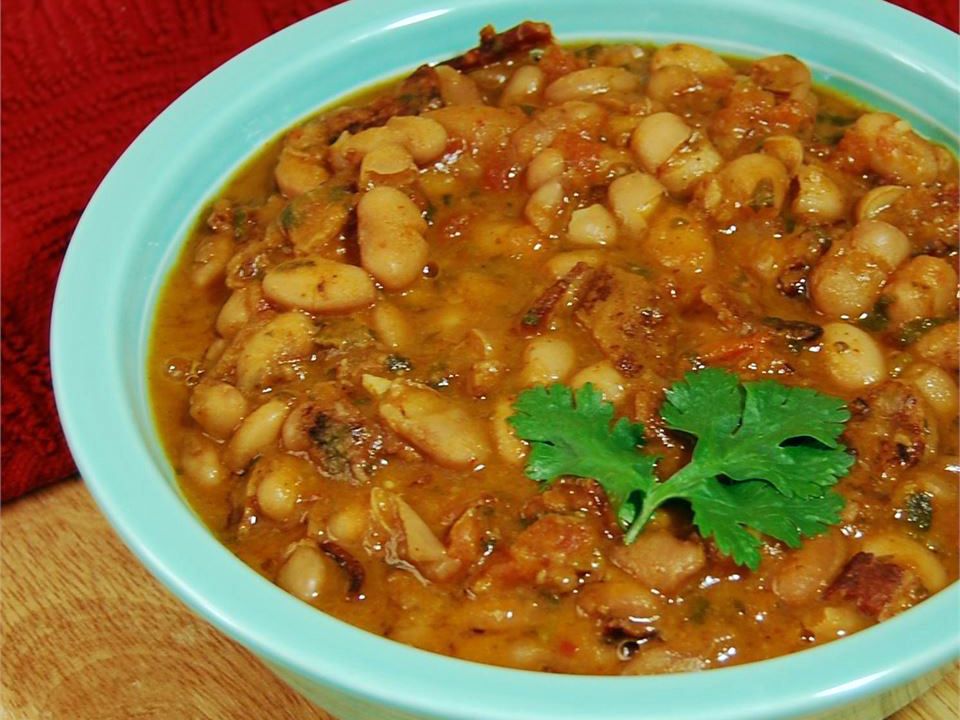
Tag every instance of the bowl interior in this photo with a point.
(131, 235)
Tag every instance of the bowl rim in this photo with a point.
(85, 355)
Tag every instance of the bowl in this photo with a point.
(133, 228)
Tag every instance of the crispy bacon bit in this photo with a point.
(573, 496)
(868, 582)
(348, 563)
(495, 46)
(536, 317)
(418, 93)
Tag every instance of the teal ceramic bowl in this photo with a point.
(129, 238)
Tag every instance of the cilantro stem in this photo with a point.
(679, 485)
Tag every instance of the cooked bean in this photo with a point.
(924, 287)
(484, 129)
(659, 560)
(782, 74)
(819, 199)
(258, 431)
(562, 263)
(544, 205)
(573, 116)
(787, 149)
(386, 162)
(305, 574)
(318, 285)
(895, 151)
(937, 386)
(390, 325)
(887, 245)
(423, 138)
(808, 571)
(853, 358)
(911, 554)
(280, 483)
(262, 356)
(705, 63)
(424, 417)
(546, 165)
(390, 234)
(756, 181)
(236, 311)
(671, 80)
(218, 407)
(457, 88)
(605, 378)
(837, 622)
(200, 461)
(582, 84)
(298, 172)
(210, 259)
(634, 198)
(509, 447)
(683, 170)
(348, 524)
(679, 241)
(547, 359)
(878, 199)
(593, 225)
(526, 81)
(941, 346)
(657, 137)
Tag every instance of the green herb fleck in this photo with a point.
(288, 217)
(762, 195)
(398, 363)
(447, 199)
(536, 54)
(530, 319)
(913, 330)
(877, 319)
(766, 458)
(528, 110)
(919, 510)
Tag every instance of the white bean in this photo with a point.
(210, 259)
(633, 198)
(390, 234)
(261, 357)
(854, 360)
(318, 285)
(924, 287)
(819, 199)
(218, 407)
(200, 461)
(544, 205)
(562, 263)
(938, 387)
(390, 325)
(457, 88)
(605, 378)
(593, 225)
(304, 574)
(657, 137)
(878, 199)
(547, 359)
(787, 149)
(526, 81)
(907, 552)
(585, 83)
(256, 433)
(280, 482)
(705, 63)
(510, 448)
(546, 165)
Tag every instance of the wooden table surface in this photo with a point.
(88, 634)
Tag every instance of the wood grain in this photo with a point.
(88, 634)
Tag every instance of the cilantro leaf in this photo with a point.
(765, 460)
(743, 429)
(575, 435)
(725, 511)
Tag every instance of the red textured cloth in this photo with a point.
(80, 80)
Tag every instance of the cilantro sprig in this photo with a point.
(766, 457)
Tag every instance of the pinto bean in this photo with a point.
(318, 285)
(390, 234)
(218, 407)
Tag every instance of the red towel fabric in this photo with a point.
(80, 81)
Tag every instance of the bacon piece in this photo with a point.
(495, 46)
(418, 93)
(534, 319)
(868, 582)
